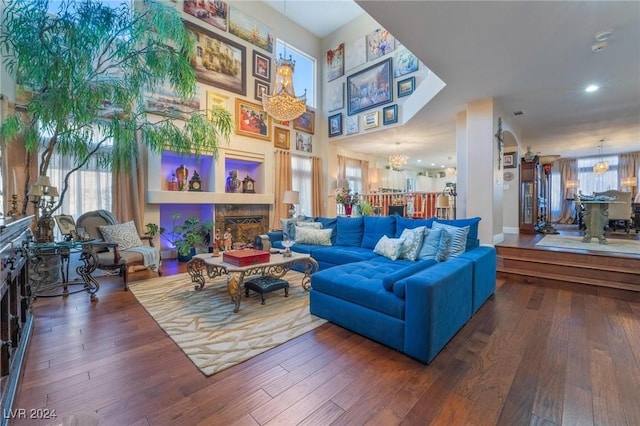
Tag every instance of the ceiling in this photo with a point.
(530, 56)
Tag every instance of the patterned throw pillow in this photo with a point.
(125, 235)
(314, 225)
(289, 226)
(458, 238)
(412, 242)
(389, 247)
(313, 236)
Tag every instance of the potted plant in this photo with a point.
(345, 197)
(185, 236)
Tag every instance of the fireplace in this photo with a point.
(245, 222)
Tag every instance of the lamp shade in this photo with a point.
(629, 181)
(291, 197)
(572, 184)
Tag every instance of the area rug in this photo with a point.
(203, 325)
(569, 242)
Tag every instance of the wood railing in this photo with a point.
(416, 204)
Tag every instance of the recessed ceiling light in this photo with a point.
(603, 35)
(419, 161)
(591, 88)
(433, 164)
(442, 166)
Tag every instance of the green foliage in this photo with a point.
(365, 207)
(88, 65)
(186, 235)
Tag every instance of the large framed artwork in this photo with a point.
(251, 30)
(164, 101)
(213, 12)
(252, 120)
(219, 62)
(261, 66)
(379, 42)
(370, 87)
(306, 122)
(335, 62)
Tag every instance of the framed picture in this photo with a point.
(509, 160)
(370, 120)
(306, 122)
(251, 30)
(261, 88)
(404, 62)
(303, 142)
(379, 42)
(66, 224)
(335, 125)
(252, 120)
(351, 125)
(212, 12)
(406, 86)
(285, 123)
(163, 101)
(217, 99)
(390, 114)
(335, 96)
(370, 87)
(281, 138)
(223, 62)
(355, 53)
(261, 66)
(335, 62)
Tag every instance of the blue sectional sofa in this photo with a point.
(377, 280)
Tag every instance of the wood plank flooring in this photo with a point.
(531, 355)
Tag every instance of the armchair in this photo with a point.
(619, 212)
(129, 250)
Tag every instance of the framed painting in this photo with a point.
(163, 101)
(379, 42)
(370, 87)
(261, 88)
(306, 122)
(351, 125)
(217, 99)
(212, 12)
(404, 62)
(281, 138)
(370, 120)
(390, 114)
(252, 120)
(335, 92)
(261, 66)
(355, 53)
(303, 142)
(406, 86)
(335, 62)
(222, 62)
(66, 224)
(285, 123)
(335, 125)
(251, 30)
(509, 159)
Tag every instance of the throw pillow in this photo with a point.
(412, 242)
(458, 238)
(432, 248)
(289, 226)
(314, 225)
(472, 223)
(389, 247)
(125, 235)
(313, 236)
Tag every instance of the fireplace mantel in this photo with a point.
(186, 197)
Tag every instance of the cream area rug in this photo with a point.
(203, 325)
(569, 242)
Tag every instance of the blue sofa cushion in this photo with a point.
(329, 223)
(361, 284)
(458, 238)
(339, 255)
(389, 280)
(435, 245)
(472, 223)
(350, 231)
(403, 223)
(375, 227)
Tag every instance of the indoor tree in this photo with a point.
(86, 66)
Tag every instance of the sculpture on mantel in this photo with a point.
(233, 183)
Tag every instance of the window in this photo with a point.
(591, 182)
(304, 75)
(301, 182)
(353, 173)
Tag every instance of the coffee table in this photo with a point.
(277, 266)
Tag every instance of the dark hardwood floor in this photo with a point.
(532, 355)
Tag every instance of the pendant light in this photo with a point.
(601, 166)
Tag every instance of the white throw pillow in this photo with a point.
(389, 247)
(412, 242)
(125, 235)
(308, 235)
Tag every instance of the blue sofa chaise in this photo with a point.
(414, 306)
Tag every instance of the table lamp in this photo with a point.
(292, 198)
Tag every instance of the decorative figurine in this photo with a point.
(247, 185)
(195, 183)
(233, 183)
(216, 244)
(227, 240)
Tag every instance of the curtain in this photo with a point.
(301, 175)
(316, 187)
(282, 184)
(128, 194)
(629, 166)
(564, 210)
(342, 169)
(364, 173)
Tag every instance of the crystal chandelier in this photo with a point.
(283, 104)
(398, 161)
(601, 166)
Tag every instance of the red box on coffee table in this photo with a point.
(245, 257)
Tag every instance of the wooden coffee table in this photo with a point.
(277, 266)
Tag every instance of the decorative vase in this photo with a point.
(348, 208)
(182, 173)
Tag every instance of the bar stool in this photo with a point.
(443, 207)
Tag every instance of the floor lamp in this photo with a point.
(547, 162)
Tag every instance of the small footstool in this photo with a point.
(265, 285)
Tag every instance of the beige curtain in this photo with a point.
(364, 170)
(568, 170)
(282, 183)
(317, 196)
(629, 165)
(342, 169)
(129, 192)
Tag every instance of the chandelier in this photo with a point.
(283, 104)
(398, 161)
(601, 166)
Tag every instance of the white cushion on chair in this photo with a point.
(125, 235)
